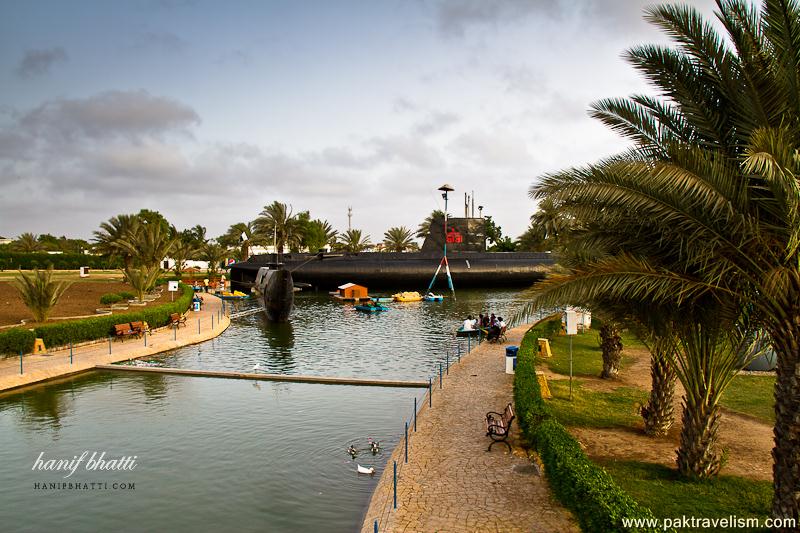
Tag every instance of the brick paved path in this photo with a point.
(451, 483)
(38, 368)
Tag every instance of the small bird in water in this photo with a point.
(257, 366)
(374, 446)
(365, 470)
(352, 451)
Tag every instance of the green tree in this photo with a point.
(148, 244)
(713, 185)
(276, 224)
(436, 218)
(353, 241)
(108, 239)
(28, 243)
(181, 252)
(142, 279)
(214, 253)
(39, 292)
(397, 239)
(319, 234)
(233, 238)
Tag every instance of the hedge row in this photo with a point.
(62, 333)
(29, 261)
(588, 490)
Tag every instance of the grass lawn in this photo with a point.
(752, 395)
(659, 488)
(593, 408)
(587, 357)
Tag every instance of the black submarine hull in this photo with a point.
(407, 270)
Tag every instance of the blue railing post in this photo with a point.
(198, 326)
(459, 352)
(375, 529)
(469, 343)
(109, 346)
(395, 484)
(447, 364)
(406, 442)
(415, 413)
(70, 352)
(440, 375)
(430, 392)
(20, 362)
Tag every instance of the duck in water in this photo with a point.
(352, 451)
(374, 446)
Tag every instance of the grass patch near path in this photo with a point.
(587, 359)
(752, 395)
(668, 496)
(617, 408)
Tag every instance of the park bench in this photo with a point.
(176, 319)
(501, 337)
(498, 426)
(140, 328)
(123, 330)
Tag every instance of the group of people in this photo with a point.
(491, 325)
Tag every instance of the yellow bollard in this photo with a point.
(544, 348)
(542, 379)
(38, 346)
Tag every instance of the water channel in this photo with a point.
(216, 454)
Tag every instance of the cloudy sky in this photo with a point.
(207, 111)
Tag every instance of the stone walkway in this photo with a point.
(55, 364)
(451, 483)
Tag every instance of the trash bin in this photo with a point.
(196, 306)
(511, 359)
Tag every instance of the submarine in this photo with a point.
(274, 287)
(470, 264)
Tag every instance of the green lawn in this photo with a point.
(659, 488)
(587, 357)
(752, 395)
(595, 409)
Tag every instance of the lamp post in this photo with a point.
(445, 189)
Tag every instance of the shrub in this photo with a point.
(110, 298)
(29, 261)
(15, 339)
(125, 295)
(588, 490)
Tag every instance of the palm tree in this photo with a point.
(397, 239)
(214, 253)
(276, 224)
(181, 252)
(39, 292)
(148, 244)
(424, 229)
(142, 279)
(712, 181)
(352, 241)
(318, 234)
(108, 238)
(27, 243)
(611, 347)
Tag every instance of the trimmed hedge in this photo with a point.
(587, 489)
(15, 339)
(126, 295)
(29, 261)
(87, 329)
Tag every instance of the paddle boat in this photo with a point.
(375, 308)
(235, 295)
(430, 297)
(407, 297)
(381, 299)
(470, 332)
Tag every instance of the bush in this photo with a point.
(15, 339)
(87, 329)
(588, 490)
(110, 298)
(29, 261)
(125, 295)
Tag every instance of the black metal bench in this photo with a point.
(498, 426)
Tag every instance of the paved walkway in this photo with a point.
(38, 368)
(451, 483)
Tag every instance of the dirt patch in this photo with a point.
(748, 442)
(81, 298)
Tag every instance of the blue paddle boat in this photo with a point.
(371, 308)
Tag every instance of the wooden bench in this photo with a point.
(176, 319)
(140, 328)
(498, 426)
(500, 338)
(123, 330)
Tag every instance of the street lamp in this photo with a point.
(445, 189)
(480, 211)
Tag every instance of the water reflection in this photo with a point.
(278, 358)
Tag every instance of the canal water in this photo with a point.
(217, 454)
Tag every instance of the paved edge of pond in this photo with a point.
(451, 483)
(56, 364)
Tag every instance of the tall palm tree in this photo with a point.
(39, 292)
(214, 253)
(241, 234)
(424, 229)
(397, 239)
(108, 239)
(713, 180)
(353, 241)
(148, 244)
(276, 224)
(27, 242)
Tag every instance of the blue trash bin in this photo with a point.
(511, 359)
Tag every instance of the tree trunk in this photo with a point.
(611, 345)
(658, 414)
(786, 453)
(698, 455)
